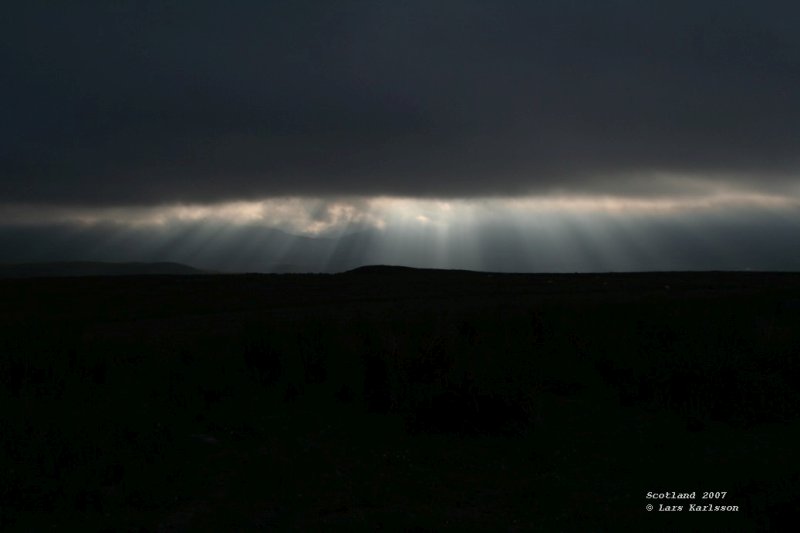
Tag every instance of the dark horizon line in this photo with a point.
(28, 269)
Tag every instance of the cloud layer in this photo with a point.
(537, 237)
(149, 103)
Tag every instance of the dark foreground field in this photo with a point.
(390, 399)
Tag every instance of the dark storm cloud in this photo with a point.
(151, 102)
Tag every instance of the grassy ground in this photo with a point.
(398, 401)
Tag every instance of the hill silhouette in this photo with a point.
(399, 270)
(93, 268)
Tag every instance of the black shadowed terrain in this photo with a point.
(92, 268)
(398, 399)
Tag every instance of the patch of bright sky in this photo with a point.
(445, 218)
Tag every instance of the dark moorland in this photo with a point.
(398, 399)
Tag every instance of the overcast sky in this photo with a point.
(138, 105)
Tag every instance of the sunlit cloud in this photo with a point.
(321, 217)
(724, 229)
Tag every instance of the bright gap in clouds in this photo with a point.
(326, 217)
(557, 233)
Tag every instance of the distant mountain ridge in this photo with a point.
(400, 270)
(93, 268)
